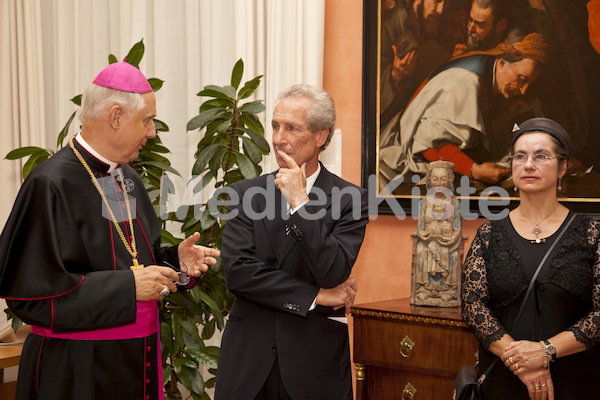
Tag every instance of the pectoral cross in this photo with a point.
(136, 265)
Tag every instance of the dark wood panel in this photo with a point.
(388, 384)
(435, 347)
(442, 345)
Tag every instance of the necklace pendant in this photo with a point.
(538, 241)
(136, 265)
(536, 231)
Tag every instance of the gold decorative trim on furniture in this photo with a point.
(403, 317)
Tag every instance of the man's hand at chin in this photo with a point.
(291, 181)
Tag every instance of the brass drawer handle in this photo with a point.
(406, 346)
(409, 392)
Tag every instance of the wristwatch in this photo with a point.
(550, 349)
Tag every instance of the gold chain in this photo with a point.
(131, 249)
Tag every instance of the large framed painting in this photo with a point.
(452, 79)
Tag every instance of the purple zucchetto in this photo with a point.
(123, 76)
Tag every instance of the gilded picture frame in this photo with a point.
(567, 90)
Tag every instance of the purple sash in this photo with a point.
(146, 323)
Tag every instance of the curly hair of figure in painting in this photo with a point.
(438, 242)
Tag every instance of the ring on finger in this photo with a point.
(516, 366)
(510, 359)
(538, 387)
(165, 291)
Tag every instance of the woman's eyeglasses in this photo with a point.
(521, 158)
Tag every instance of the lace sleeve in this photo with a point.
(587, 329)
(475, 294)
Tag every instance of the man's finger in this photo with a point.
(210, 252)
(291, 163)
(352, 283)
(190, 240)
(303, 168)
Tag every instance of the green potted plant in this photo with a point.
(231, 149)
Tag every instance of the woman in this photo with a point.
(552, 352)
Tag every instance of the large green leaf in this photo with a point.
(161, 166)
(186, 300)
(166, 336)
(34, 161)
(192, 224)
(202, 357)
(205, 155)
(136, 53)
(24, 152)
(236, 74)
(246, 166)
(217, 159)
(206, 179)
(191, 329)
(160, 126)
(189, 377)
(157, 148)
(202, 119)
(77, 99)
(219, 92)
(258, 139)
(166, 373)
(189, 342)
(207, 220)
(217, 103)
(65, 131)
(176, 327)
(209, 329)
(252, 122)
(155, 83)
(224, 126)
(168, 239)
(200, 296)
(252, 150)
(249, 87)
(253, 107)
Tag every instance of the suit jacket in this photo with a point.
(276, 277)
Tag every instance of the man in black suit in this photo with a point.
(288, 256)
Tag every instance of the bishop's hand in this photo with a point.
(195, 259)
(154, 282)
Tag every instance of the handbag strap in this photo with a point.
(529, 288)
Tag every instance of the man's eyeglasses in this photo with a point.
(521, 158)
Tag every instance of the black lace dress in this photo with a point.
(566, 296)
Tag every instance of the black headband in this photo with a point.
(545, 125)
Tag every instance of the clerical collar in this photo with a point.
(111, 165)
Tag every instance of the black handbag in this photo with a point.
(466, 385)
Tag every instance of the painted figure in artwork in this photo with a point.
(437, 244)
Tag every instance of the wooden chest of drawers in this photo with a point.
(409, 352)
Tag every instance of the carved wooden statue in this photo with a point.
(438, 243)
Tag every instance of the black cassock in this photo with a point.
(64, 267)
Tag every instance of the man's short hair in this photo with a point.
(96, 99)
(499, 8)
(321, 114)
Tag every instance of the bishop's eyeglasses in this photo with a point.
(540, 158)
